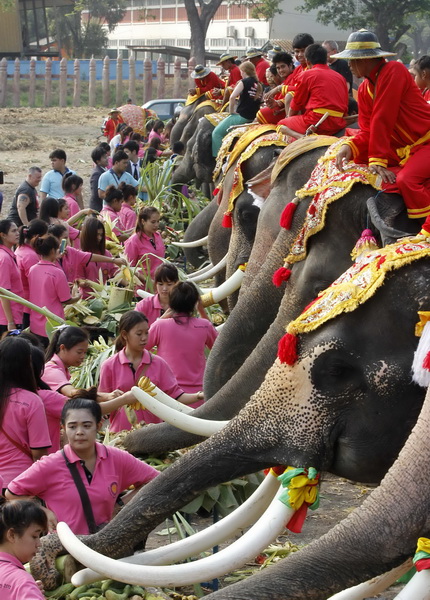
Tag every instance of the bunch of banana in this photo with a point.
(144, 384)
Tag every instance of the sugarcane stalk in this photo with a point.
(41, 310)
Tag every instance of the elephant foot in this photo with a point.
(43, 564)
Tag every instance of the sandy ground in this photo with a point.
(27, 136)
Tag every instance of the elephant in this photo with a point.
(198, 162)
(188, 120)
(197, 230)
(339, 408)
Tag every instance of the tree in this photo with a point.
(201, 13)
(387, 18)
(418, 36)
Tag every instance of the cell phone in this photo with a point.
(63, 246)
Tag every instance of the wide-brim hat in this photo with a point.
(362, 44)
(253, 53)
(113, 110)
(200, 71)
(226, 56)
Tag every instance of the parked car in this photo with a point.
(165, 107)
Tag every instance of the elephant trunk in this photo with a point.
(376, 537)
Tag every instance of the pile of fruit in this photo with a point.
(112, 590)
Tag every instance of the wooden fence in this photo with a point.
(63, 90)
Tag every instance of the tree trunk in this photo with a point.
(199, 22)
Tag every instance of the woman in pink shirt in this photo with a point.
(181, 338)
(57, 212)
(72, 185)
(157, 131)
(131, 362)
(105, 472)
(21, 525)
(24, 435)
(111, 208)
(10, 278)
(153, 307)
(26, 257)
(127, 214)
(48, 286)
(145, 243)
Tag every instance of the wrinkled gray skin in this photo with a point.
(198, 229)
(183, 119)
(198, 162)
(341, 408)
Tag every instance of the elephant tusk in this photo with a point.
(188, 423)
(268, 527)
(201, 271)
(217, 294)
(418, 588)
(144, 294)
(169, 401)
(244, 516)
(195, 244)
(219, 327)
(375, 586)
(215, 269)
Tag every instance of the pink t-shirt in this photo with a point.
(15, 582)
(24, 422)
(50, 479)
(74, 236)
(10, 279)
(181, 341)
(53, 403)
(117, 373)
(151, 308)
(72, 261)
(72, 204)
(139, 245)
(115, 217)
(56, 374)
(128, 216)
(91, 272)
(48, 287)
(26, 257)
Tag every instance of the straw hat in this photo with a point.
(113, 111)
(200, 71)
(362, 44)
(224, 57)
(253, 52)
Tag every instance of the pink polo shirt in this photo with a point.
(15, 582)
(118, 228)
(26, 257)
(72, 261)
(128, 216)
(50, 479)
(138, 246)
(10, 279)
(53, 403)
(151, 308)
(72, 204)
(181, 341)
(116, 373)
(48, 287)
(91, 272)
(74, 236)
(56, 374)
(24, 422)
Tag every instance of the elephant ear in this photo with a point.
(388, 214)
(259, 186)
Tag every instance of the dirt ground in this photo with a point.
(27, 136)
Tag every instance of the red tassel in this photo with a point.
(215, 192)
(295, 524)
(287, 215)
(227, 221)
(280, 275)
(426, 362)
(287, 349)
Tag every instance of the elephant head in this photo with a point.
(198, 162)
(184, 117)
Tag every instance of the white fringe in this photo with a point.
(258, 200)
(420, 375)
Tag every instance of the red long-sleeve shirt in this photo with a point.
(261, 67)
(396, 117)
(321, 88)
(234, 76)
(205, 84)
(291, 82)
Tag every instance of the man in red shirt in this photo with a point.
(205, 80)
(226, 61)
(274, 110)
(261, 64)
(394, 121)
(114, 119)
(319, 91)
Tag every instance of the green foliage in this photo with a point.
(6, 5)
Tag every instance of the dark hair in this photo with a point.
(58, 154)
(57, 230)
(302, 40)
(128, 320)
(71, 182)
(65, 336)
(19, 515)
(119, 155)
(155, 143)
(80, 403)
(5, 225)
(149, 125)
(166, 272)
(120, 127)
(422, 63)
(273, 69)
(36, 227)
(132, 146)
(136, 137)
(183, 297)
(316, 54)
(105, 146)
(97, 154)
(49, 209)
(44, 245)
(150, 155)
(88, 237)
(16, 370)
(283, 57)
(127, 190)
(38, 362)
(112, 194)
(178, 147)
(158, 123)
(145, 214)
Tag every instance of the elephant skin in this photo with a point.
(184, 117)
(198, 229)
(346, 406)
(198, 162)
